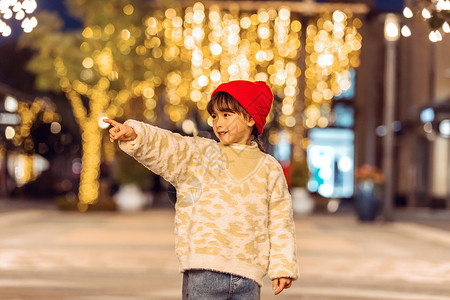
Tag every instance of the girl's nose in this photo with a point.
(219, 122)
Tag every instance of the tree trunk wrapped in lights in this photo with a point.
(100, 71)
(91, 132)
(92, 139)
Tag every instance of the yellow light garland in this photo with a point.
(223, 46)
(28, 113)
(190, 52)
(332, 46)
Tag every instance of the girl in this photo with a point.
(233, 221)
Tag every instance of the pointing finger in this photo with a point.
(111, 122)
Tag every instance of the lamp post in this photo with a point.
(391, 35)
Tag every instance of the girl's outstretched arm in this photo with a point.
(165, 153)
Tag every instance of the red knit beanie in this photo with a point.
(255, 97)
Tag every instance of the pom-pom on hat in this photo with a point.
(255, 97)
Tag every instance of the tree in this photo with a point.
(102, 69)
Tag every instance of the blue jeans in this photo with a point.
(210, 285)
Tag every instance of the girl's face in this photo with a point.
(232, 127)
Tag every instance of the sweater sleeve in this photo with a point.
(283, 253)
(163, 152)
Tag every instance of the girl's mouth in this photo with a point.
(221, 133)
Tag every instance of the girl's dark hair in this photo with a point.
(223, 101)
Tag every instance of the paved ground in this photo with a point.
(47, 254)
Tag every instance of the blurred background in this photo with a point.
(360, 120)
(361, 93)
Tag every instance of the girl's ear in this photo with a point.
(251, 122)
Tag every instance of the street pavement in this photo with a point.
(46, 254)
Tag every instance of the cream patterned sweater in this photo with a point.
(233, 209)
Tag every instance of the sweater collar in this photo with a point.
(243, 151)
(253, 145)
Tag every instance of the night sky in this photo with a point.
(52, 5)
(59, 6)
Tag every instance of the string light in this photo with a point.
(443, 5)
(19, 10)
(332, 47)
(190, 52)
(407, 12)
(9, 132)
(435, 12)
(446, 27)
(239, 46)
(426, 13)
(20, 135)
(28, 112)
(406, 32)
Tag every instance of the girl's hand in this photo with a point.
(120, 131)
(281, 283)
